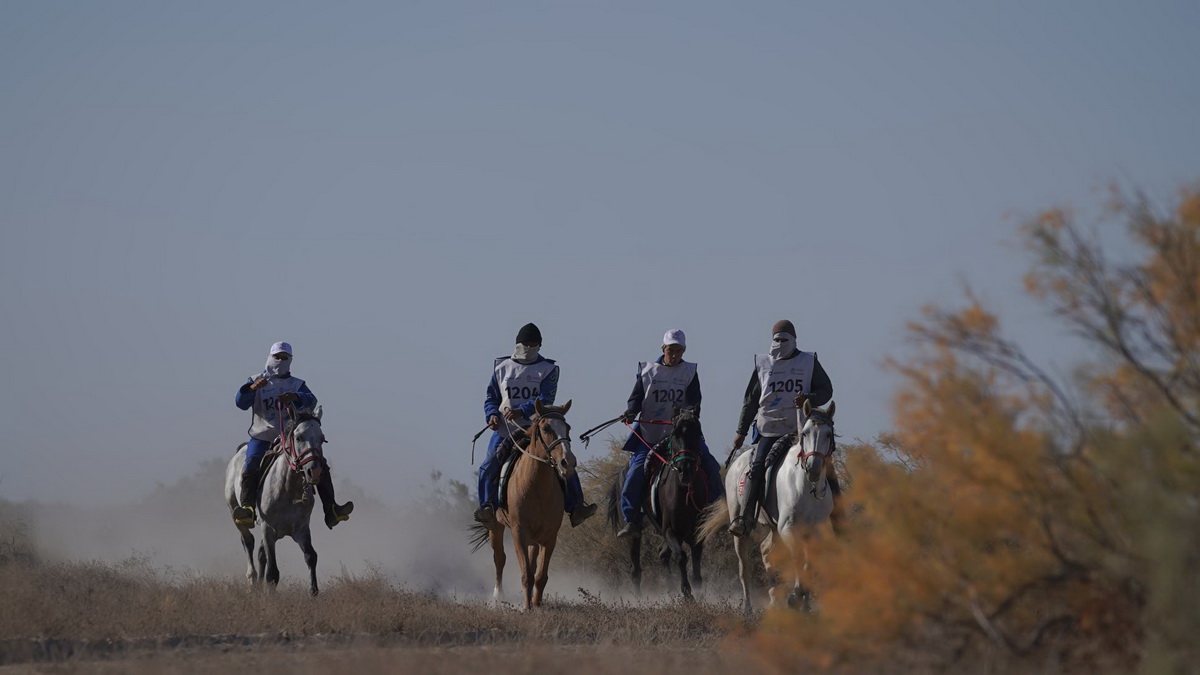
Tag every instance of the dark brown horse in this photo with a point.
(534, 506)
(681, 495)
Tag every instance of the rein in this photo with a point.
(639, 437)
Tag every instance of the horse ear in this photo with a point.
(806, 408)
(567, 406)
(832, 407)
(318, 411)
(537, 406)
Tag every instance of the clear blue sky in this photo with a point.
(395, 188)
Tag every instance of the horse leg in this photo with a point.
(496, 539)
(521, 551)
(269, 539)
(676, 551)
(742, 548)
(801, 594)
(248, 546)
(697, 554)
(635, 557)
(262, 558)
(304, 539)
(773, 571)
(531, 559)
(543, 571)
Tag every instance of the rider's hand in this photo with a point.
(512, 414)
(800, 399)
(258, 384)
(494, 422)
(628, 416)
(289, 398)
(738, 440)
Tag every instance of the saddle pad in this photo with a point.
(505, 472)
(655, 507)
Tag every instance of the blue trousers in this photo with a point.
(255, 449)
(489, 480)
(633, 493)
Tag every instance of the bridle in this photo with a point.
(539, 428)
(816, 419)
(296, 460)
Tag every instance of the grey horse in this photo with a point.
(795, 510)
(285, 498)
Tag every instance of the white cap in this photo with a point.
(281, 347)
(675, 337)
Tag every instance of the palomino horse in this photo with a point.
(798, 500)
(285, 498)
(534, 506)
(681, 495)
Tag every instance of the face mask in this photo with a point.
(277, 368)
(525, 354)
(782, 348)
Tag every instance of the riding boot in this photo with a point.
(244, 514)
(581, 513)
(486, 515)
(631, 529)
(334, 513)
(744, 523)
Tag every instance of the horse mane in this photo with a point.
(298, 416)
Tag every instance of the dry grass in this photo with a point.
(52, 612)
(428, 661)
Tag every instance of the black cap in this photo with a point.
(783, 326)
(529, 333)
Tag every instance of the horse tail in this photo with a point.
(612, 506)
(479, 536)
(714, 519)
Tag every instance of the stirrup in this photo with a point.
(741, 526)
(244, 515)
(582, 513)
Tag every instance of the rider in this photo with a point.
(260, 394)
(784, 370)
(660, 387)
(517, 382)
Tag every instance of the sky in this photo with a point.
(395, 188)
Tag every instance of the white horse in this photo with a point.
(797, 502)
(285, 498)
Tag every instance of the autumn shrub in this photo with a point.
(1018, 517)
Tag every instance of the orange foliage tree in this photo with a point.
(1028, 516)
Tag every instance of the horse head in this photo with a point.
(685, 440)
(305, 450)
(551, 432)
(817, 443)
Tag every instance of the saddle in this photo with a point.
(775, 454)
